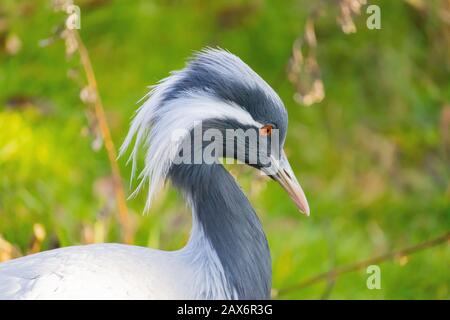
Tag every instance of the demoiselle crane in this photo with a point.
(227, 255)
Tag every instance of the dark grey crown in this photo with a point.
(227, 77)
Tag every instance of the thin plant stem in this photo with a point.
(106, 135)
(334, 273)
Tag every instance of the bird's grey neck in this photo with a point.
(227, 220)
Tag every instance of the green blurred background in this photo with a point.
(373, 157)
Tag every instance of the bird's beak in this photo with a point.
(281, 171)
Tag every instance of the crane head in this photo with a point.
(215, 108)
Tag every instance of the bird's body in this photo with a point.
(98, 271)
(227, 255)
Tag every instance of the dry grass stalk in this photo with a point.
(106, 135)
(90, 96)
(303, 68)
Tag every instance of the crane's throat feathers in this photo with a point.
(229, 223)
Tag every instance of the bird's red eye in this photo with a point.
(266, 130)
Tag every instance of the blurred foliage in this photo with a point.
(373, 156)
